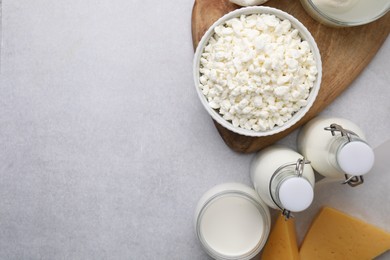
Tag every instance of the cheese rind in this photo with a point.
(336, 235)
(282, 242)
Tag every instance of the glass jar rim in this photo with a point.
(263, 212)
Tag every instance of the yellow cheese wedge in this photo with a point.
(282, 242)
(335, 235)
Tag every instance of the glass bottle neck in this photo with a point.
(289, 189)
(351, 156)
(337, 143)
(276, 182)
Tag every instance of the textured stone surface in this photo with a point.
(105, 147)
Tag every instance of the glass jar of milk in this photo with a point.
(337, 149)
(232, 222)
(283, 179)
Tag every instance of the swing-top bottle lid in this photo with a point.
(296, 194)
(356, 158)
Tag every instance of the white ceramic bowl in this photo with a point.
(304, 34)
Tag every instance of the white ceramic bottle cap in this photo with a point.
(296, 194)
(356, 158)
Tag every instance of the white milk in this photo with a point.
(232, 222)
(278, 185)
(335, 155)
(229, 230)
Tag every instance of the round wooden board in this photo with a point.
(344, 51)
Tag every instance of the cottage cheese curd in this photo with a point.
(257, 71)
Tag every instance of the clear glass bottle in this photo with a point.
(337, 149)
(283, 179)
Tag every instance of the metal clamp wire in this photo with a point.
(338, 128)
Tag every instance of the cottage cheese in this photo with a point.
(257, 71)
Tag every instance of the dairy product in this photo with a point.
(335, 6)
(335, 235)
(282, 179)
(332, 153)
(346, 12)
(248, 2)
(229, 230)
(257, 71)
(282, 242)
(232, 222)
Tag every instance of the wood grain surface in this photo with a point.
(344, 52)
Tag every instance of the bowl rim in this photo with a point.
(305, 35)
(335, 22)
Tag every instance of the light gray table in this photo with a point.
(105, 147)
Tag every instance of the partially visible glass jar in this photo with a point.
(232, 222)
(283, 179)
(346, 13)
(337, 149)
